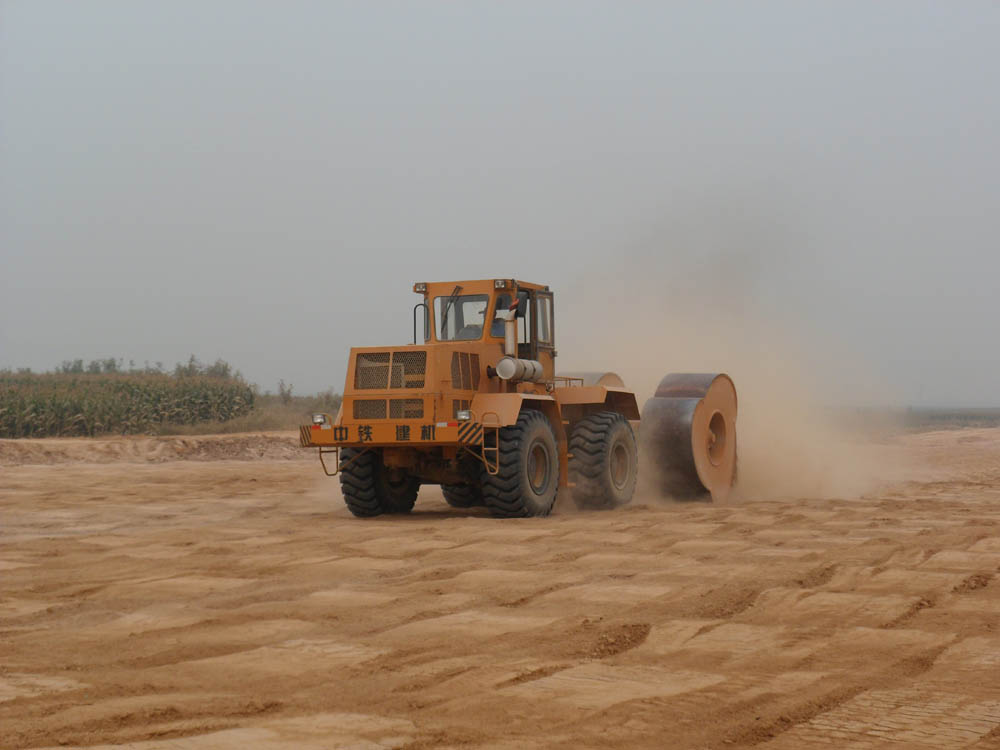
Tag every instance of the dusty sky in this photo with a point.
(263, 182)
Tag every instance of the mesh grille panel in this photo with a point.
(464, 371)
(406, 408)
(474, 364)
(408, 369)
(369, 409)
(372, 371)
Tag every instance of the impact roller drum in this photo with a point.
(688, 432)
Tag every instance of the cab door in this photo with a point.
(543, 331)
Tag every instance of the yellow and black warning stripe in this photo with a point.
(470, 432)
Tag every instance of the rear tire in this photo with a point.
(528, 476)
(462, 495)
(370, 489)
(605, 462)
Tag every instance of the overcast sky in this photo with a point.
(263, 182)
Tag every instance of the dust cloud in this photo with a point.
(704, 310)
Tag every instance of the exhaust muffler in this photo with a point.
(512, 368)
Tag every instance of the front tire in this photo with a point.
(528, 476)
(605, 462)
(370, 488)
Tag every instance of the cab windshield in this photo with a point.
(461, 317)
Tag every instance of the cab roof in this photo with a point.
(478, 286)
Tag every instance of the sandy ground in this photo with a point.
(232, 602)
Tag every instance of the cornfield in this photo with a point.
(56, 404)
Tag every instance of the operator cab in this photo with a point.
(476, 310)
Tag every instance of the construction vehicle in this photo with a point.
(477, 407)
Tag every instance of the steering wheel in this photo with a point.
(469, 332)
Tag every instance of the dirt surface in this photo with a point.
(274, 446)
(234, 603)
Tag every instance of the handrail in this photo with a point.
(426, 318)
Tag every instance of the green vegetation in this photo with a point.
(104, 396)
(269, 413)
(58, 404)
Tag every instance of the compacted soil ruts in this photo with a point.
(215, 593)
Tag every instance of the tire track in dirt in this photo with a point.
(767, 728)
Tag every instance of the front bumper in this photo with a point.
(389, 433)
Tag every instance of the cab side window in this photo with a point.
(545, 320)
(525, 330)
(499, 315)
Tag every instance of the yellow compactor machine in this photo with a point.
(476, 406)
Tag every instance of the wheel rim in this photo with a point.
(619, 465)
(539, 466)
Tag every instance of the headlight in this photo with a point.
(500, 284)
(463, 415)
(420, 287)
(319, 418)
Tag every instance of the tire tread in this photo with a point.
(502, 491)
(590, 447)
(361, 489)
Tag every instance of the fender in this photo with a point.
(504, 407)
(620, 400)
